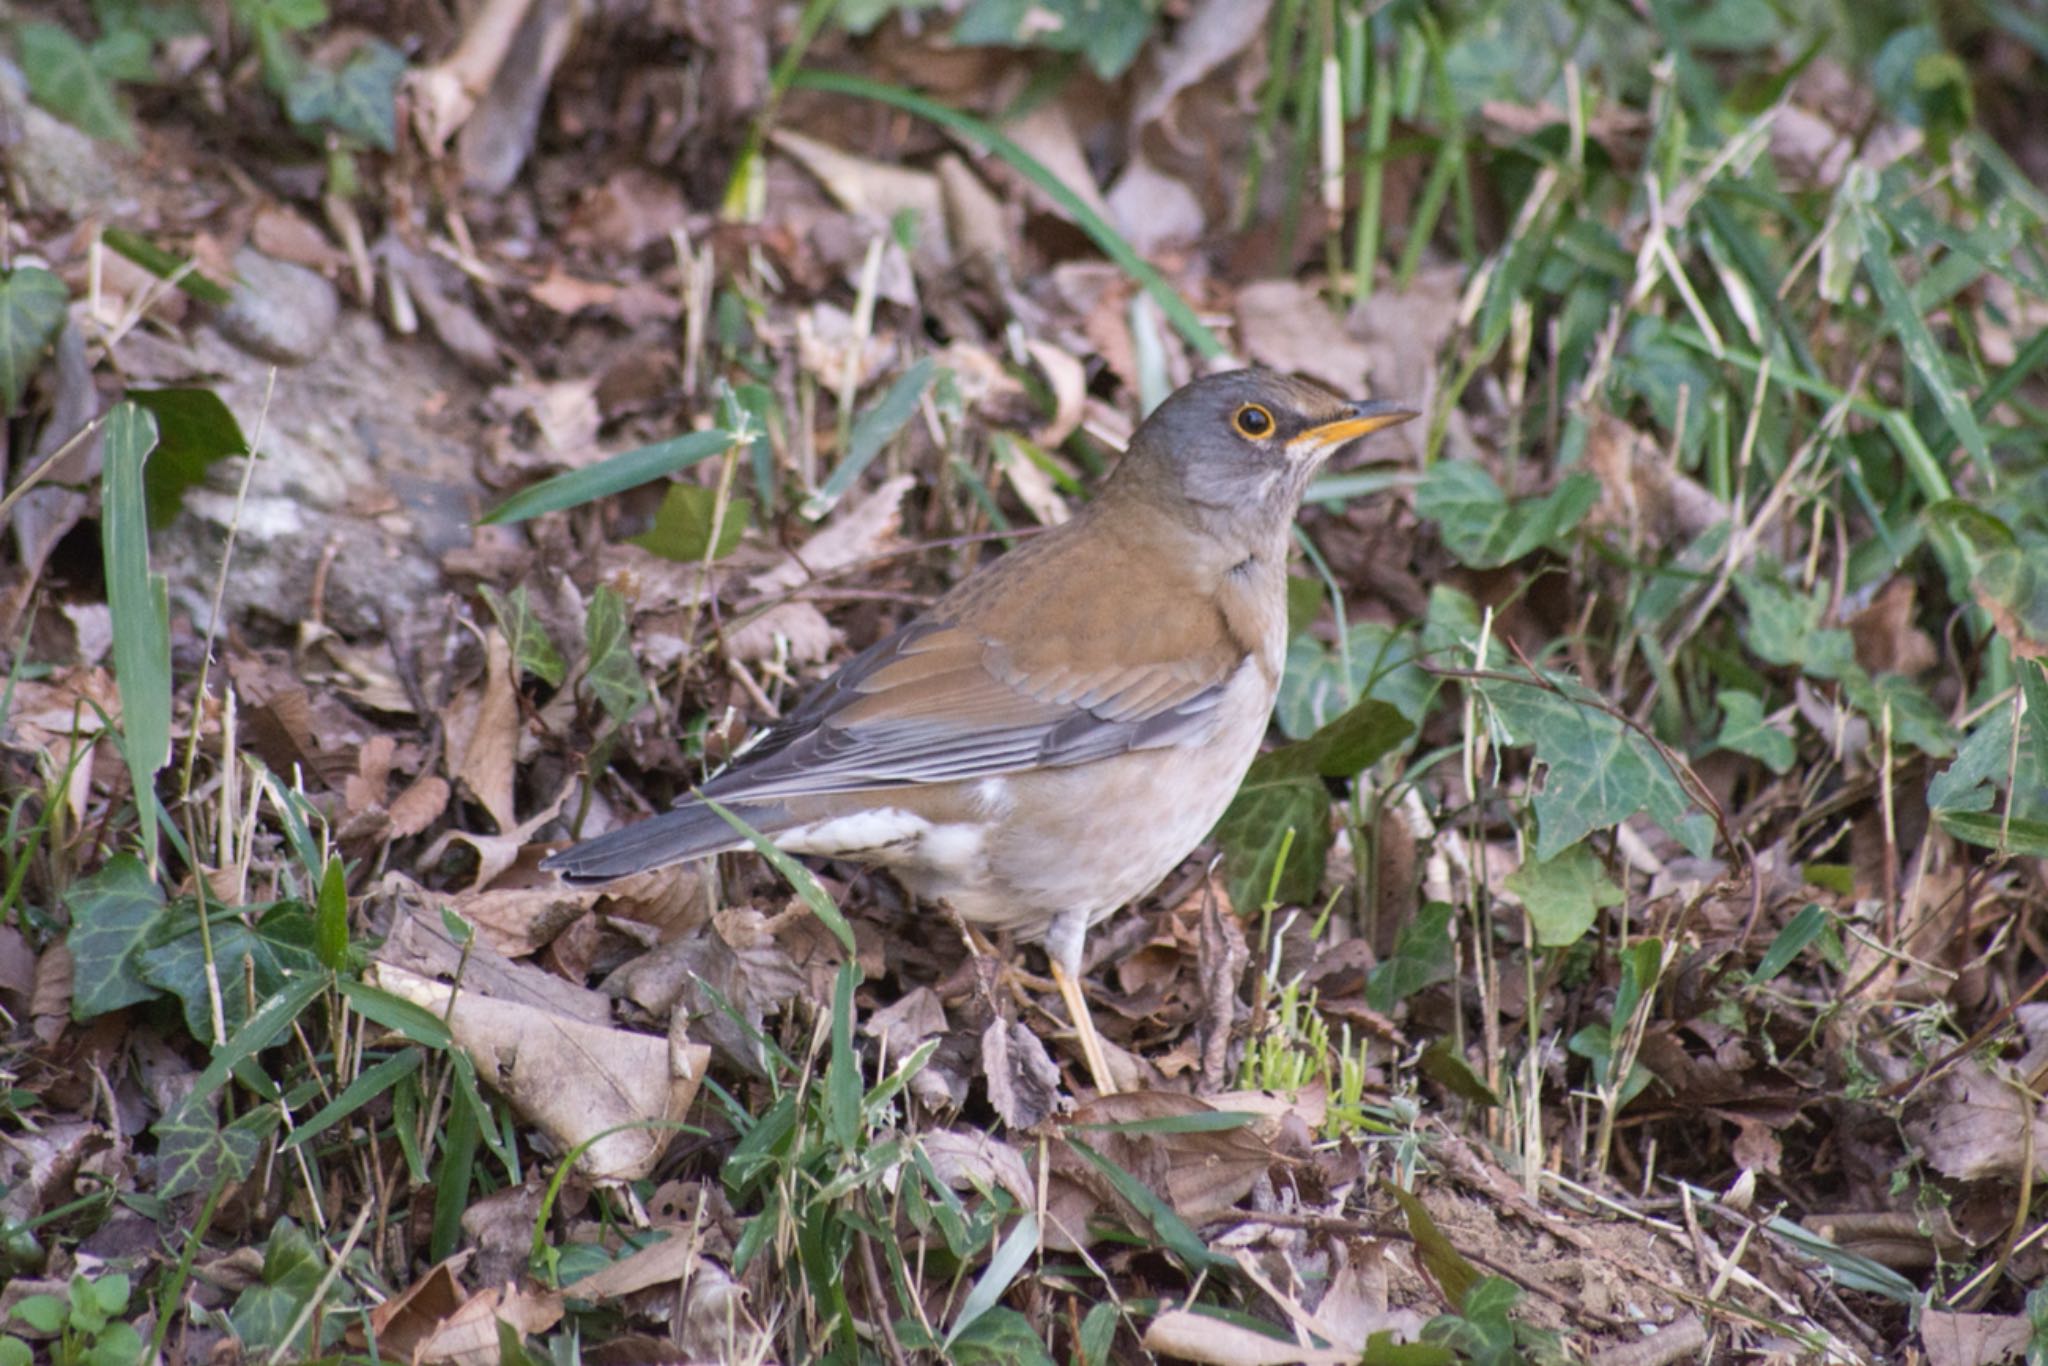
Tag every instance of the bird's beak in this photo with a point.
(1360, 418)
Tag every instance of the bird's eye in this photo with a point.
(1253, 421)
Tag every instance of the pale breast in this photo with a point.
(1093, 837)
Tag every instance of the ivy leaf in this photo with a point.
(1483, 529)
(1254, 832)
(279, 946)
(194, 1154)
(1599, 771)
(682, 525)
(357, 101)
(1345, 747)
(1563, 894)
(1421, 958)
(113, 914)
(612, 674)
(292, 1272)
(532, 650)
(195, 431)
(32, 303)
(1744, 730)
(66, 81)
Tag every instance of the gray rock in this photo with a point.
(280, 312)
(58, 168)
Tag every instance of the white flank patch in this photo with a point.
(883, 828)
(953, 850)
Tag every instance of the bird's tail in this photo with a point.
(691, 830)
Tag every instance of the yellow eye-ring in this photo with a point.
(1253, 421)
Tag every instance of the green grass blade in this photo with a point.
(1918, 343)
(873, 430)
(615, 475)
(365, 1088)
(137, 601)
(1003, 1268)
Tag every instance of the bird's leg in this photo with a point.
(1063, 941)
(987, 966)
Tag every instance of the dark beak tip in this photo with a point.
(1393, 408)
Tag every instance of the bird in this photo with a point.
(1049, 739)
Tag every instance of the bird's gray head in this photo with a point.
(1241, 446)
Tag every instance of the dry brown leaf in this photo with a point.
(1048, 135)
(795, 631)
(1023, 1083)
(974, 1159)
(875, 190)
(1886, 639)
(1187, 1336)
(420, 943)
(1977, 1129)
(567, 295)
(483, 735)
(517, 921)
(288, 236)
(906, 1022)
(419, 806)
(49, 1003)
(633, 209)
(662, 1263)
(1156, 211)
(855, 532)
(980, 225)
(1287, 326)
(1973, 1339)
(565, 415)
(573, 1079)
(469, 1336)
(409, 1317)
(1199, 1174)
(828, 346)
(1213, 33)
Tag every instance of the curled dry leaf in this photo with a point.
(1288, 326)
(517, 921)
(856, 532)
(1023, 1083)
(974, 1159)
(483, 735)
(793, 631)
(419, 943)
(496, 854)
(572, 1078)
(1069, 381)
(1976, 1129)
(1187, 1336)
(673, 901)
